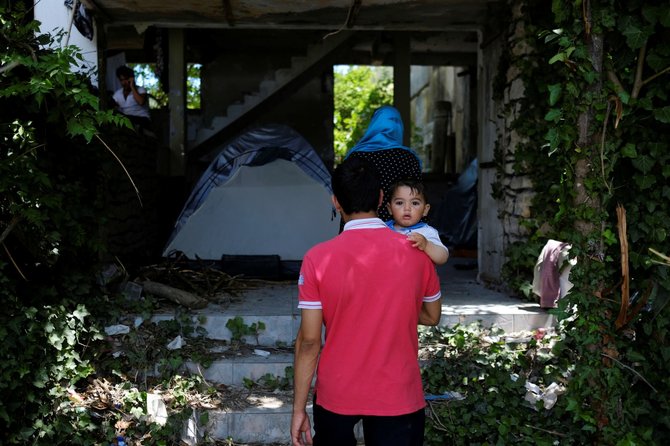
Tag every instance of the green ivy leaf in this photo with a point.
(624, 96)
(629, 151)
(553, 137)
(553, 115)
(664, 16)
(643, 163)
(554, 93)
(636, 36)
(663, 114)
(651, 13)
(560, 57)
(80, 313)
(645, 181)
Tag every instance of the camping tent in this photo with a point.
(267, 193)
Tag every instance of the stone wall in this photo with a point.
(516, 187)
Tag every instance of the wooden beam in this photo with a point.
(177, 101)
(228, 12)
(401, 83)
(353, 13)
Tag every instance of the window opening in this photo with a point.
(145, 76)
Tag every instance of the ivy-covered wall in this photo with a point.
(583, 158)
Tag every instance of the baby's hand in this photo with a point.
(418, 240)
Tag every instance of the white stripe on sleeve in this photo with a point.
(309, 305)
(433, 298)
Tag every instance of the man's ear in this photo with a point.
(336, 203)
(381, 197)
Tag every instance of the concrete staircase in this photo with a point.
(279, 80)
(264, 418)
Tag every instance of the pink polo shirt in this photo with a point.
(370, 284)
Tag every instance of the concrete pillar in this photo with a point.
(441, 131)
(401, 83)
(177, 102)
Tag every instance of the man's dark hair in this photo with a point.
(356, 185)
(124, 71)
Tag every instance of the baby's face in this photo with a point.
(406, 207)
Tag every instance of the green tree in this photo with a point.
(359, 90)
(148, 78)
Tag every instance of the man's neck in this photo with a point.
(358, 216)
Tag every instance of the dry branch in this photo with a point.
(181, 297)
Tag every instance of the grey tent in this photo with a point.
(266, 193)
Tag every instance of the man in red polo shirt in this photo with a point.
(369, 288)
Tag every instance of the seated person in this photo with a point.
(132, 100)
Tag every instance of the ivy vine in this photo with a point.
(596, 132)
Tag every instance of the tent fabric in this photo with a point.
(266, 193)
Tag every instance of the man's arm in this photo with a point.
(307, 348)
(431, 313)
(140, 98)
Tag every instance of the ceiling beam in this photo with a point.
(353, 13)
(228, 12)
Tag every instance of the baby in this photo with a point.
(408, 206)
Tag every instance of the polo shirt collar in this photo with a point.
(364, 223)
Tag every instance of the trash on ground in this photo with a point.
(113, 330)
(445, 396)
(176, 343)
(260, 352)
(548, 396)
(156, 409)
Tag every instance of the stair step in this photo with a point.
(266, 88)
(257, 417)
(263, 418)
(233, 370)
(235, 110)
(283, 75)
(275, 304)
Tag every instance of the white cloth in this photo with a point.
(129, 106)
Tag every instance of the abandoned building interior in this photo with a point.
(264, 62)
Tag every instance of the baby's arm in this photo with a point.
(437, 253)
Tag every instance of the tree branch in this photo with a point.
(137, 191)
(11, 259)
(15, 220)
(631, 369)
(637, 86)
(9, 66)
(618, 86)
(660, 73)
